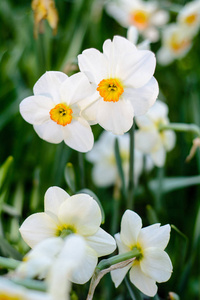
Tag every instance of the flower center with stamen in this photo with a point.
(65, 230)
(179, 45)
(140, 19)
(61, 114)
(140, 256)
(191, 19)
(110, 89)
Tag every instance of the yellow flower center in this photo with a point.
(191, 19)
(65, 230)
(5, 296)
(139, 248)
(179, 45)
(110, 89)
(140, 19)
(61, 114)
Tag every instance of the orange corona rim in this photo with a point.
(61, 114)
(110, 89)
(140, 19)
(191, 19)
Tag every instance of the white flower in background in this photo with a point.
(133, 35)
(123, 78)
(146, 16)
(105, 172)
(150, 139)
(176, 42)
(189, 16)
(154, 264)
(54, 110)
(11, 291)
(64, 215)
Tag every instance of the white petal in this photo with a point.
(35, 109)
(160, 18)
(82, 212)
(71, 257)
(156, 264)
(154, 236)
(119, 274)
(85, 270)
(143, 98)
(36, 228)
(152, 34)
(164, 56)
(132, 34)
(121, 246)
(130, 227)
(50, 131)
(49, 85)
(145, 140)
(159, 157)
(103, 174)
(137, 68)
(78, 135)
(53, 198)
(145, 284)
(94, 64)
(115, 117)
(169, 139)
(75, 88)
(102, 242)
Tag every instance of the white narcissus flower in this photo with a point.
(64, 215)
(11, 291)
(154, 264)
(146, 16)
(150, 139)
(105, 172)
(123, 78)
(54, 110)
(176, 42)
(132, 36)
(189, 16)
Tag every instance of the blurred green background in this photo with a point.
(29, 165)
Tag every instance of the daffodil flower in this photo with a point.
(150, 139)
(176, 42)
(123, 78)
(102, 155)
(154, 264)
(65, 215)
(145, 16)
(54, 110)
(189, 16)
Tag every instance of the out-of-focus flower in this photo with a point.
(64, 215)
(133, 35)
(44, 9)
(154, 264)
(54, 110)
(176, 42)
(11, 291)
(146, 16)
(104, 172)
(70, 259)
(124, 82)
(189, 16)
(54, 260)
(150, 139)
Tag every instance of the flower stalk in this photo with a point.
(182, 127)
(9, 263)
(107, 265)
(130, 197)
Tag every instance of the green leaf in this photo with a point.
(4, 171)
(70, 177)
(94, 196)
(8, 250)
(119, 167)
(175, 183)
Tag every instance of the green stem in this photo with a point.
(107, 263)
(9, 263)
(81, 168)
(31, 284)
(182, 127)
(130, 203)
